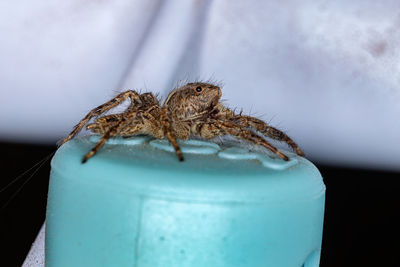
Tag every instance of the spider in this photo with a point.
(191, 110)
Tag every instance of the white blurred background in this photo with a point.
(326, 72)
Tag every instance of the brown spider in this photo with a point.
(193, 109)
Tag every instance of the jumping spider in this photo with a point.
(193, 109)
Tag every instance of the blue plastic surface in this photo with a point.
(135, 204)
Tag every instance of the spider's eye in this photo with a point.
(198, 89)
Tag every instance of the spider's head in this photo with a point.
(193, 99)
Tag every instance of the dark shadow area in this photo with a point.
(361, 218)
(22, 217)
(359, 229)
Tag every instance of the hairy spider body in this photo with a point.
(191, 110)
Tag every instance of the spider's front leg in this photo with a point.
(262, 127)
(134, 96)
(217, 128)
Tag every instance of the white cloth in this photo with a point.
(325, 72)
(36, 257)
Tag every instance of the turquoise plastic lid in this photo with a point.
(135, 204)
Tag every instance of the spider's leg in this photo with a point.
(215, 128)
(99, 144)
(267, 130)
(101, 109)
(172, 139)
(135, 127)
(103, 124)
(168, 132)
(281, 136)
